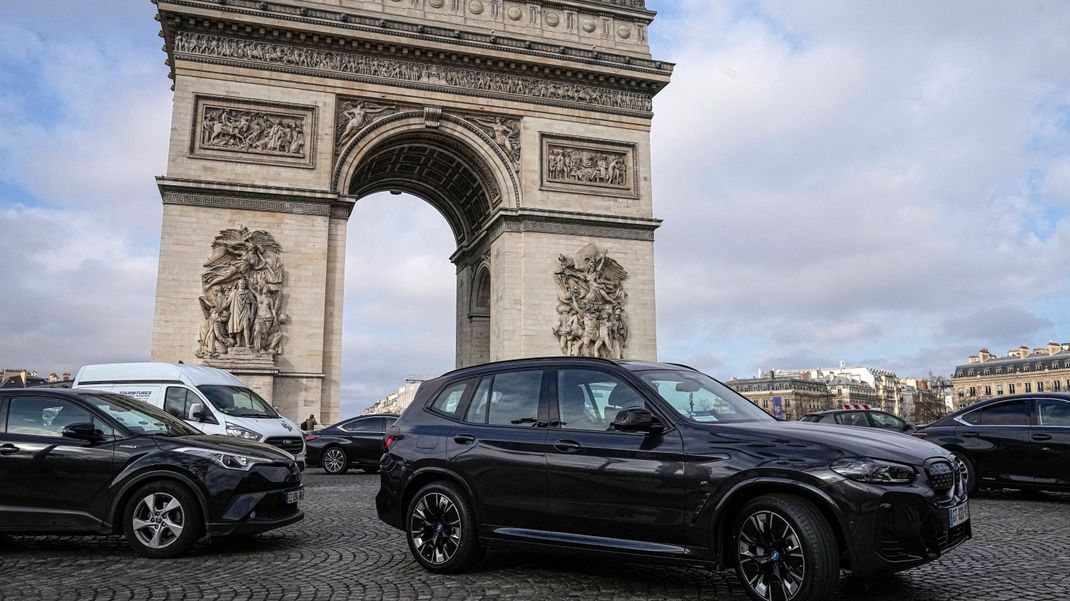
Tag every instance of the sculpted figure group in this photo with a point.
(588, 166)
(251, 131)
(591, 317)
(242, 301)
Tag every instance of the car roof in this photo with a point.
(556, 361)
(828, 411)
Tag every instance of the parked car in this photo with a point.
(659, 461)
(1018, 441)
(866, 418)
(356, 442)
(209, 399)
(84, 462)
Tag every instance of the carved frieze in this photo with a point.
(242, 297)
(592, 320)
(591, 166)
(250, 131)
(377, 69)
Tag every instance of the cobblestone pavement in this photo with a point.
(1020, 550)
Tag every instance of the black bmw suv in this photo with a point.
(82, 461)
(659, 461)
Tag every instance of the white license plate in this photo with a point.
(959, 514)
(293, 496)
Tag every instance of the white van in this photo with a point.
(209, 399)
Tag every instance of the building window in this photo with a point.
(962, 392)
(1010, 388)
(1028, 387)
(973, 391)
(988, 391)
(1055, 365)
(1056, 385)
(999, 370)
(988, 372)
(999, 389)
(1025, 367)
(1040, 386)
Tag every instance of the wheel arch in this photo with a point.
(426, 476)
(728, 508)
(122, 497)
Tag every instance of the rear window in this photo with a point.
(448, 402)
(1014, 413)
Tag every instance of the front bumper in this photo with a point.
(253, 512)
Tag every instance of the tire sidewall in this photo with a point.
(971, 472)
(192, 514)
(818, 567)
(345, 460)
(469, 551)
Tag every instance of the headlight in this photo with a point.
(241, 432)
(231, 461)
(875, 471)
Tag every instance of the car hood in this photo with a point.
(267, 426)
(228, 444)
(837, 441)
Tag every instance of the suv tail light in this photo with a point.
(918, 434)
(393, 434)
(389, 440)
(311, 437)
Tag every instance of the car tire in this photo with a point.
(162, 520)
(371, 470)
(783, 542)
(441, 530)
(971, 472)
(335, 461)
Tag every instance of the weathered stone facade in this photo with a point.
(526, 124)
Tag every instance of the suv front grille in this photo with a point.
(941, 476)
(291, 444)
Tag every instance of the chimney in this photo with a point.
(1040, 351)
(1054, 347)
(974, 359)
(984, 355)
(66, 376)
(759, 372)
(1023, 351)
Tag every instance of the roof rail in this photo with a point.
(523, 359)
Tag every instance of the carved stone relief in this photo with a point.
(480, 82)
(242, 299)
(249, 131)
(571, 163)
(504, 131)
(354, 115)
(592, 320)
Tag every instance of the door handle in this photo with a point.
(970, 434)
(1040, 436)
(464, 439)
(567, 446)
(8, 449)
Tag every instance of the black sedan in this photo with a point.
(88, 462)
(355, 442)
(866, 418)
(1019, 441)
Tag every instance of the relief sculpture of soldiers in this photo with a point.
(588, 166)
(250, 131)
(242, 300)
(591, 317)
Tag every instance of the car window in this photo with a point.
(852, 418)
(888, 422)
(139, 417)
(973, 417)
(44, 416)
(1013, 413)
(370, 424)
(1053, 413)
(699, 398)
(514, 398)
(449, 400)
(590, 399)
(477, 409)
(811, 418)
(179, 402)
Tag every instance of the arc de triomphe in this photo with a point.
(525, 123)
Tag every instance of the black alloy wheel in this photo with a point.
(440, 529)
(162, 520)
(785, 550)
(965, 464)
(334, 461)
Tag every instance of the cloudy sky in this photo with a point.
(883, 183)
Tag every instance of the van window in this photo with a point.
(237, 401)
(179, 402)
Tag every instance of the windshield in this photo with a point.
(702, 399)
(236, 401)
(139, 418)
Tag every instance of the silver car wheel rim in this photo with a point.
(334, 460)
(435, 528)
(158, 520)
(771, 557)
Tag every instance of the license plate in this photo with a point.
(959, 514)
(293, 496)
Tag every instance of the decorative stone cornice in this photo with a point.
(296, 201)
(572, 224)
(442, 34)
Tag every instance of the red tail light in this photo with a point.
(311, 437)
(389, 440)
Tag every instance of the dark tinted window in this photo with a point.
(42, 416)
(1053, 413)
(449, 400)
(590, 399)
(973, 417)
(514, 398)
(371, 424)
(179, 402)
(477, 409)
(1005, 414)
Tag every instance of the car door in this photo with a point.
(887, 421)
(49, 481)
(365, 436)
(500, 448)
(1050, 436)
(996, 438)
(606, 484)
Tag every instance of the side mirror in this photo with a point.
(637, 419)
(198, 412)
(85, 431)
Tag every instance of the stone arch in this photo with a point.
(479, 301)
